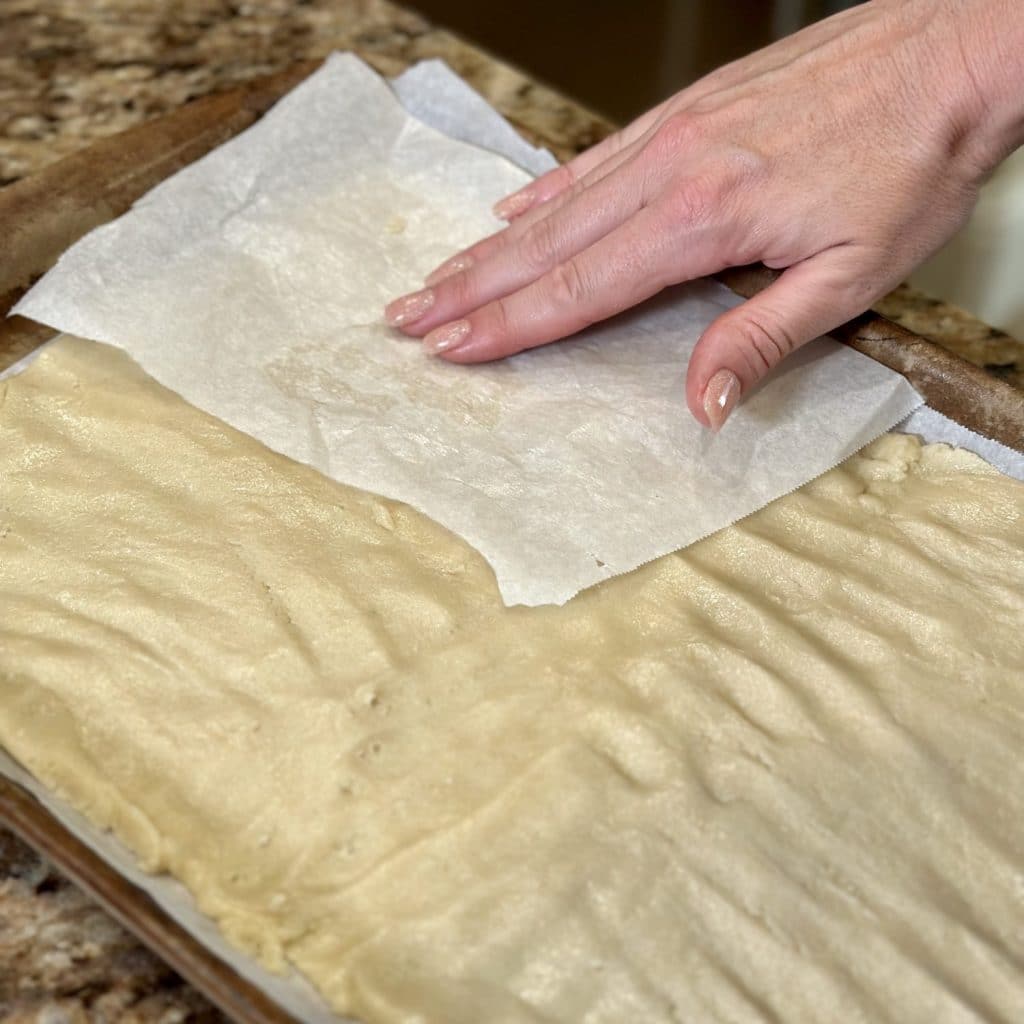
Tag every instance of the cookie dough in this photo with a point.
(775, 776)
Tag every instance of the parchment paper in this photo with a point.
(252, 283)
(933, 427)
(290, 991)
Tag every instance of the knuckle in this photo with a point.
(572, 193)
(569, 286)
(499, 325)
(746, 166)
(459, 290)
(694, 201)
(487, 247)
(564, 177)
(677, 133)
(764, 346)
(538, 245)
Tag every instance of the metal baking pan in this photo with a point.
(44, 214)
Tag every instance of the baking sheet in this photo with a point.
(252, 284)
(292, 993)
(935, 428)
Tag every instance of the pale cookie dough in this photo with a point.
(778, 776)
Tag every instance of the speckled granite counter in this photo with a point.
(64, 961)
(71, 72)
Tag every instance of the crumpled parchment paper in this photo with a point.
(252, 283)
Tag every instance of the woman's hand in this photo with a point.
(845, 154)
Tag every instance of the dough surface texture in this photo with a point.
(777, 776)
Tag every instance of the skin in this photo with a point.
(844, 155)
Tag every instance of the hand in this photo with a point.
(845, 155)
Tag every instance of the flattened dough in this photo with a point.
(776, 776)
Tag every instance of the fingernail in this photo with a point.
(409, 308)
(720, 397)
(444, 339)
(513, 205)
(450, 267)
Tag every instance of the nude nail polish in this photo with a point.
(720, 397)
(513, 205)
(447, 337)
(409, 308)
(449, 268)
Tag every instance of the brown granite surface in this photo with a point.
(64, 961)
(957, 330)
(72, 71)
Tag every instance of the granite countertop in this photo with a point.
(71, 73)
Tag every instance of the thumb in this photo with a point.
(744, 345)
